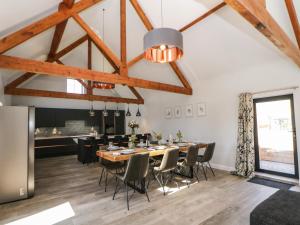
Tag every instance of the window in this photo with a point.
(73, 86)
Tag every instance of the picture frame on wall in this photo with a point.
(177, 112)
(201, 109)
(168, 113)
(189, 111)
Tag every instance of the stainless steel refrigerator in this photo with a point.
(17, 126)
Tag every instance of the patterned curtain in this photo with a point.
(245, 149)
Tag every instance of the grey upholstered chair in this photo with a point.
(189, 162)
(108, 167)
(204, 159)
(164, 172)
(136, 171)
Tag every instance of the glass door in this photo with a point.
(275, 136)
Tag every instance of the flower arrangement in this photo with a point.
(133, 125)
(157, 135)
(179, 136)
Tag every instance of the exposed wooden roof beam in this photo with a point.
(149, 27)
(142, 14)
(294, 19)
(56, 94)
(123, 44)
(60, 28)
(69, 3)
(135, 60)
(105, 50)
(202, 17)
(70, 47)
(60, 54)
(27, 65)
(38, 27)
(256, 14)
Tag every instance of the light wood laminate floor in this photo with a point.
(222, 200)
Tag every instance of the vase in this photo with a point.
(132, 130)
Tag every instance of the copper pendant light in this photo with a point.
(163, 45)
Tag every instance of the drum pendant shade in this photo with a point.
(163, 45)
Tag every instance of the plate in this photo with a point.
(127, 151)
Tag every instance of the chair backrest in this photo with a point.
(137, 167)
(192, 154)
(169, 161)
(209, 152)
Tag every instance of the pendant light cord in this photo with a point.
(103, 37)
(161, 13)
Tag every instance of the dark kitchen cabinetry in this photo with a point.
(120, 123)
(47, 117)
(110, 125)
(94, 120)
(55, 147)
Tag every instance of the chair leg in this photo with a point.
(204, 171)
(100, 179)
(160, 183)
(127, 196)
(211, 169)
(196, 175)
(146, 192)
(106, 173)
(116, 190)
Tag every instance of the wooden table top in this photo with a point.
(116, 156)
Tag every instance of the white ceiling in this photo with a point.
(221, 44)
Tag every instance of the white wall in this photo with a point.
(221, 97)
(4, 100)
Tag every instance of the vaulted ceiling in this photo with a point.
(222, 43)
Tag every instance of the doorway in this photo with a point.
(275, 136)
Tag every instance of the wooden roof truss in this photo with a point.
(252, 10)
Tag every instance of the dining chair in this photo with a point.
(204, 159)
(164, 172)
(189, 162)
(108, 167)
(136, 172)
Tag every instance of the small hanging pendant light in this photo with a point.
(105, 113)
(92, 112)
(162, 45)
(128, 113)
(138, 113)
(117, 113)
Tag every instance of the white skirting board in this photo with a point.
(222, 167)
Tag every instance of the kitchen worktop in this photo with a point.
(62, 136)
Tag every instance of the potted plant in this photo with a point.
(179, 136)
(158, 136)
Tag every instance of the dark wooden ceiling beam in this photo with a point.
(44, 24)
(27, 65)
(256, 14)
(294, 19)
(56, 94)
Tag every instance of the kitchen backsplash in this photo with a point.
(72, 127)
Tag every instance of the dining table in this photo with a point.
(123, 154)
